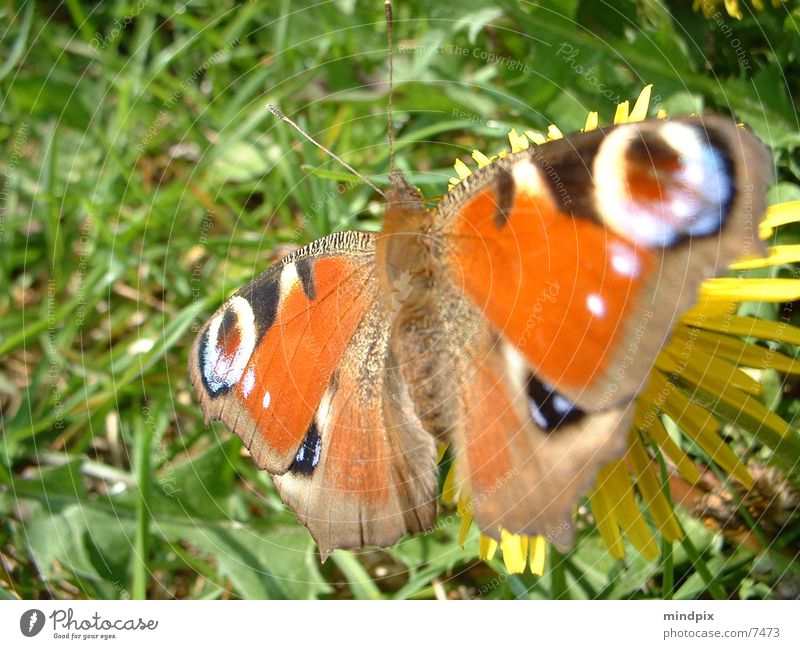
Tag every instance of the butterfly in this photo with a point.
(515, 321)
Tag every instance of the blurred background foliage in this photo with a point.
(144, 181)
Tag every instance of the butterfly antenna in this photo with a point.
(390, 38)
(279, 114)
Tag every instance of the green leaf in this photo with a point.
(261, 562)
(86, 542)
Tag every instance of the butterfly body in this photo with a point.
(516, 321)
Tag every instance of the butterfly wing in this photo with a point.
(583, 252)
(524, 453)
(295, 364)
(377, 473)
(262, 363)
(577, 257)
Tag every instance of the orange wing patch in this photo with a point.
(357, 458)
(298, 354)
(491, 422)
(557, 287)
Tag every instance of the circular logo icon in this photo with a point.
(31, 622)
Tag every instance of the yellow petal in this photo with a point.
(650, 489)
(681, 357)
(515, 551)
(618, 493)
(743, 353)
(450, 486)
(461, 169)
(776, 256)
(733, 8)
(538, 555)
(747, 327)
(606, 519)
(592, 120)
(699, 424)
(749, 414)
(782, 214)
(518, 142)
(480, 158)
(554, 133)
(673, 403)
(441, 449)
(535, 137)
(642, 105)
(649, 422)
(708, 309)
(463, 528)
(621, 116)
(487, 547)
(706, 6)
(743, 290)
(464, 506)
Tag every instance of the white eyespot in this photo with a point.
(222, 368)
(682, 208)
(317, 452)
(624, 260)
(527, 178)
(561, 404)
(266, 400)
(596, 305)
(537, 416)
(249, 381)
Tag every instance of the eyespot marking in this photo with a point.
(657, 187)
(309, 454)
(227, 345)
(549, 409)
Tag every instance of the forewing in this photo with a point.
(264, 360)
(582, 252)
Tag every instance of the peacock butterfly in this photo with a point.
(498, 322)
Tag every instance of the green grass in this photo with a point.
(145, 181)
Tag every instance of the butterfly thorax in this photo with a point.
(405, 250)
(409, 266)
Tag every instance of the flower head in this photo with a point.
(710, 8)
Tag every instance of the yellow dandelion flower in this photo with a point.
(699, 378)
(710, 8)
